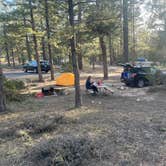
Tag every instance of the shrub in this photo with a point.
(66, 150)
(42, 124)
(14, 84)
(12, 89)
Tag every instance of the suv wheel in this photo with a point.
(141, 83)
(46, 71)
(35, 70)
(25, 70)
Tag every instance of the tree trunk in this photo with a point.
(2, 95)
(133, 31)
(13, 59)
(165, 16)
(44, 49)
(110, 50)
(125, 30)
(6, 46)
(121, 29)
(7, 54)
(48, 37)
(35, 43)
(78, 102)
(27, 42)
(28, 48)
(80, 62)
(19, 56)
(79, 53)
(93, 61)
(104, 57)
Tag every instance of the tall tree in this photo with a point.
(2, 95)
(78, 36)
(35, 42)
(48, 38)
(13, 58)
(27, 41)
(125, 31)
(104, 56)
(78, 101)
(6, 45)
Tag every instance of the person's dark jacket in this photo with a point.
(88, 84)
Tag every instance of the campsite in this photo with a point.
(127, 127)
(82, 83)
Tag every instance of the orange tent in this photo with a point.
(65, 79)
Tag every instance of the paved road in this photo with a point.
(19, 74)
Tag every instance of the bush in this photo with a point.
(66, 150)
(67, 67)
(43, 123)
(12, 89)
(14, 84)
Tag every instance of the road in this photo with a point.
(19, 74)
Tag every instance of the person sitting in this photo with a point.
(91, 85)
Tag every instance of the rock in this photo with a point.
(92, 102)
(100, 102)
(138, 100)
(122, 88)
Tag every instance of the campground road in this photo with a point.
(19, 74)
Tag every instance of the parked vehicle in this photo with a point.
(141, 76)
(32, 66)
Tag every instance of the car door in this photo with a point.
(29, 66)
(150, 74)
(42, 64)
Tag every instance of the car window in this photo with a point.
(135, 70)
(44, 62)
(146, 69)
(27, 64)
(32, 63)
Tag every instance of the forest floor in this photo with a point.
(127, 128)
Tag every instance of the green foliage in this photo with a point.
(102, 17)
(12, 89)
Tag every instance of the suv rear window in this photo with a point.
(145, 70)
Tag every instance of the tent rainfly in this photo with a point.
(65, 79)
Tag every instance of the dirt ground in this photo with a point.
(127, 128)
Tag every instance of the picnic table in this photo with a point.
(104, 89)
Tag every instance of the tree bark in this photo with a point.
(79, 53)
(121, 29)
(6, 46)
(44, 49)
(125, 31)
(35, 43)
(110, 50)
(2, 95)
(48, 37)
(104, 57)
(7, 54)
(19, 56)
(13, 59)
(133, 30)
(27, 42)
(78, 102)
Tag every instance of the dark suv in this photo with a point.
(141, 76)
(32, 66)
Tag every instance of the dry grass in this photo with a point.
(113, 130)
(64, 150)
